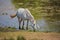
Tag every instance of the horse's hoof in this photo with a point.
(34, 30)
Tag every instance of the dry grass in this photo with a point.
(31, 35)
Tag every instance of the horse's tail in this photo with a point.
(13, 15)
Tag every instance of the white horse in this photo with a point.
(24, 14)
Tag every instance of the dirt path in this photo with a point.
(32, 35)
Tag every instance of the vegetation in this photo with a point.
(46, 8)
(9, 39)
(7, 29)
(20, 38)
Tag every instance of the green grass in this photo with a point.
(17, 38)
(7, 29)
(9, 38)
(20, 38)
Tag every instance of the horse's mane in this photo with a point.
(28, 13)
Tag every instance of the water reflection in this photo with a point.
(54, 26)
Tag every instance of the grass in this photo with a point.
(17, 38)
(20, 38)
(7, 29)
(9, 38)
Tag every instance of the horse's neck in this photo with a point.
(28, 13)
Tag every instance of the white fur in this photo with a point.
(25, 14)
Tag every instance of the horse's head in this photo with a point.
(33, 22)
(34, 25)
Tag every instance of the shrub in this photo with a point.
(20, 38)
(5, 39)
(11, 38)
(8, 38)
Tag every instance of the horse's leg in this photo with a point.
(23, 25)
(33, 29)
(27, 24)
(19, 19)
(19, 24)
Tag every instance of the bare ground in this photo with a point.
(31, 35)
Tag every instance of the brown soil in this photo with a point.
(31, 35)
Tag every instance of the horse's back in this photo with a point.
(21, 13)
(21, 10)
